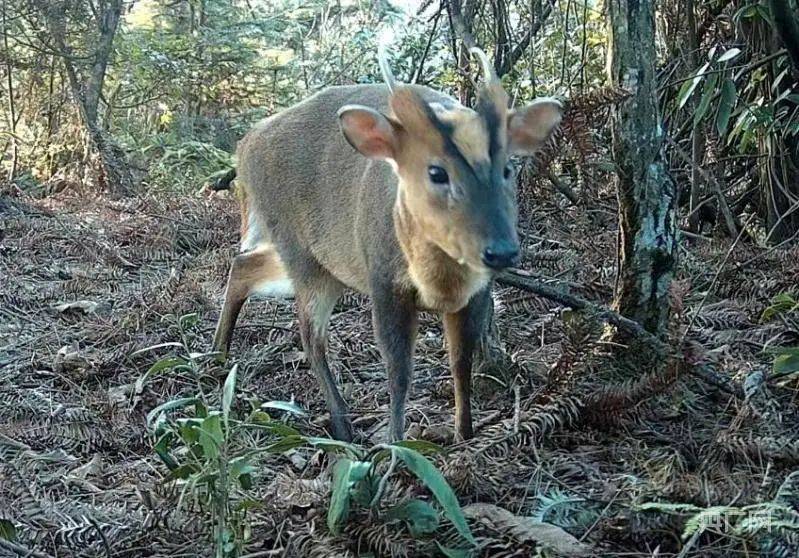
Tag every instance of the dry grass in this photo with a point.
(583, 448)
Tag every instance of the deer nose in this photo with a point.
(501, 255)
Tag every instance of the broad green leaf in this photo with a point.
(287, 406)
(189, 320)
(287, 443)
(359, 470)
(182, 472)
(426, 472)
(787, 362)
(167, 363)
(170, 406)
(273, 426)
(422, 446)
(241, 469)
(688, 87)
(161, 448)
(707, 94)
(154, 347)
(200, 410)
(455, 552)
(8, 530)
(730, 54)
(189, 430)
(228, 392)
(211, 436)
(346, 474)
(421, 517)
(747, 12)
(340, 495)
(333, 446)
(764, 13)
(364, 492)
(240, 466)
(726, 104)
(780, 304)
(668, 507)
(782, 351)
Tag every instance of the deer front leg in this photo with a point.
(463, 330)
(394, 319)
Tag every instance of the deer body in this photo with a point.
(321, 217)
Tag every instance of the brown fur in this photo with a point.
(338, 219)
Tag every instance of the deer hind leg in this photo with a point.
(317, 293)
(257, 271)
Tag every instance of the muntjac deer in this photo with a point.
(396, 191)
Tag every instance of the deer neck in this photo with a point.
(442, 284)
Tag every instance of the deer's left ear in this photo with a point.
(530, 127)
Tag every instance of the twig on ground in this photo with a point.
(631, 327)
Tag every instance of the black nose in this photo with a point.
(501, 256)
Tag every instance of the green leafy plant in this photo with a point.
(211, 454)
(357, 482)
(716, 84)
(208, 450)
(749, 522)
(196, 450)
(8, 530)
(182, 358)
(786, 359)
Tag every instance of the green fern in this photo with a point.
(564, 510)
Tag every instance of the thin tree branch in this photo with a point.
(420, 68)
(519, 50)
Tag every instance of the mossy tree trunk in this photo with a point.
(646, 194)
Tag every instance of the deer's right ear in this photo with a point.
(368, 131)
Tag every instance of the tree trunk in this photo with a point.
(646, 194)
(462, 27)
(12, 113)
(780, 176)
(697, 139)
(108, 24)
(115, 173)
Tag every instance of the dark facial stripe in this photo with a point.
(480, 172)
(445, 131)
(492, 118)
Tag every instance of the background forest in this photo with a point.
(637, 394)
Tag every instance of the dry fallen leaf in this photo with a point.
(84, 306)
(527, 529)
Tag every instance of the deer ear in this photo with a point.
(368, 131)
(531, 126)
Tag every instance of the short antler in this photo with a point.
(385, 69)
(488, 68)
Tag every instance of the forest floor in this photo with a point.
(570, 434)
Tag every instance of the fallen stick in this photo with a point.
(631, 327)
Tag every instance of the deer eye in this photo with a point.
(437, 175)
(508, 171)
